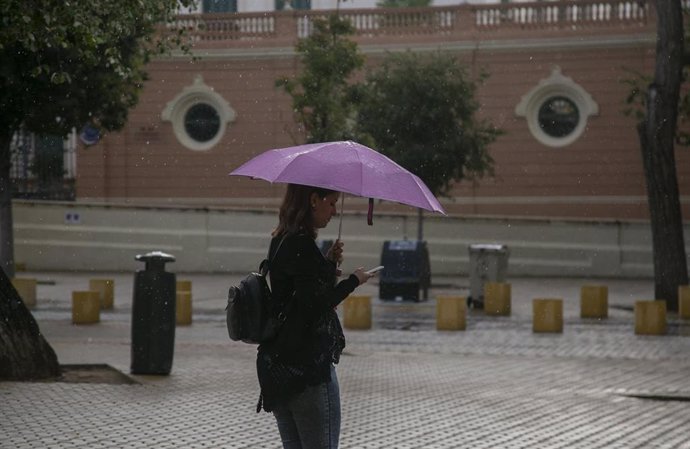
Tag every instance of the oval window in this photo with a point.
(558, 116)
(202, 122)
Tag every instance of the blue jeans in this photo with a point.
(311, 420)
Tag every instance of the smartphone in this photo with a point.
(375, 269)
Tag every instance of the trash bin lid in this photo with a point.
(155, 256)
(155, 260)
(488, 247)
(403, 245)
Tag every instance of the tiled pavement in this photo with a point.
(404, 385)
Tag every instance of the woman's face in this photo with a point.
(323, 209)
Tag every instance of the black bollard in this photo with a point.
(153, 316)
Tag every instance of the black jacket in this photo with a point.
(311, 337)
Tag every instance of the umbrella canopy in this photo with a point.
(343, 166)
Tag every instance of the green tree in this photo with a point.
(421, 111)
(659, 106)
(320, 93)
(62, 65)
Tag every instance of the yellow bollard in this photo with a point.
(547, 315)
(451, 313)
(650, 317)
(183, 286)
(357, 312)
(497, 298)
(106, 291)
(684, 302)
(86, 307)
(183, 308)
(27, 290)
(594, 301)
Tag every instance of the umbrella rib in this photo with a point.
(292, 161)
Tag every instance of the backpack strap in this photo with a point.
(278, 248)
(265, 265)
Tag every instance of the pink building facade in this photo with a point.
(196, 121)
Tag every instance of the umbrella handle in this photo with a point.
(370, 212)
(340, 226)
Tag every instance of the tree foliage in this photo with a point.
(421, 111)
(636, 100)
(63, 64)
(320, 93)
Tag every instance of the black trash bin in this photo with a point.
(406, 270)
(153, 316)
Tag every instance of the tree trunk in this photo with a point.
(6, 234)
(657, 137)
(24, 353)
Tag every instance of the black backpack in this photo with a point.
(252, 314)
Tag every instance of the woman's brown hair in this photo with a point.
(295, 212)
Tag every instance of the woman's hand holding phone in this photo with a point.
(364, 276)
(375, 269)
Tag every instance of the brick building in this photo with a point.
(196, 121)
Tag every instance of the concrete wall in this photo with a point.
(76, 236)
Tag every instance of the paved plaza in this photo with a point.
(403, 384)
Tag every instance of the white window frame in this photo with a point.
(197, 93)
(556, 85)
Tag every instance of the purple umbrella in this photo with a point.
(345, 166)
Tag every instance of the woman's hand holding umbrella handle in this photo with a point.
(335, 252)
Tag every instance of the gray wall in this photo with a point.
(105, 237)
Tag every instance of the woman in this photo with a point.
(296, 370)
